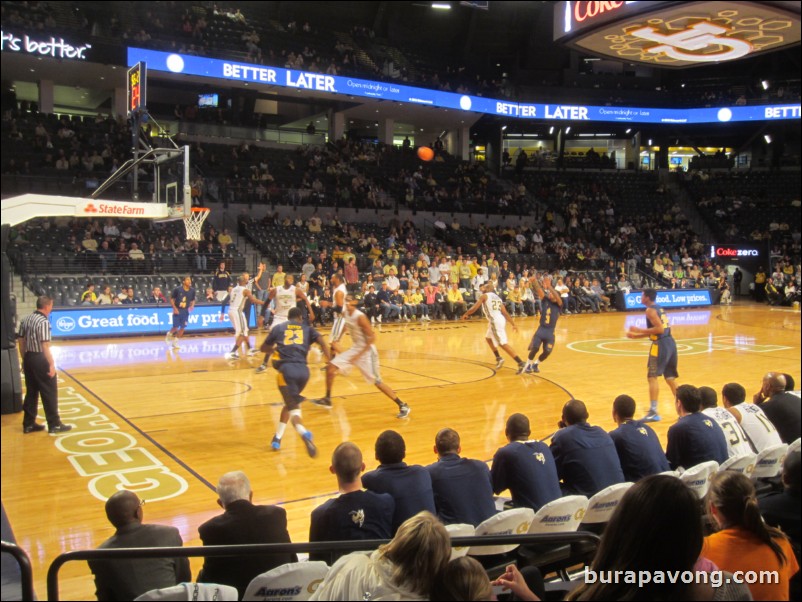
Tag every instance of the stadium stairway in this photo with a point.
(689, 209)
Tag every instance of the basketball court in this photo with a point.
(168, 423)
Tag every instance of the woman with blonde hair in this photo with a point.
(403, 569)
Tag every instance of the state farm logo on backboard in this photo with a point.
(120, 209)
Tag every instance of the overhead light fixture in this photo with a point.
(765, 84)
(551, 130)
(568, 129)
(650, 141)
(628, 130)
(441, 6)
(767, 138)
(682, 85)
(503, 127)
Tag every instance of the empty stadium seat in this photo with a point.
(698, 477)
(744, 464)
(515, 520)
(769, 462)
(460, 530)
(191, 591)
(293, 581)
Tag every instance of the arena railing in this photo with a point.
(580, 539)
(26, 572)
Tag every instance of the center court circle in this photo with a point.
(626, 347)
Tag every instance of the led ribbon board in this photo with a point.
(272, 77)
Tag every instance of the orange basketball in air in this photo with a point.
(425, 153)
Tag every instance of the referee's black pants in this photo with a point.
(37, 382)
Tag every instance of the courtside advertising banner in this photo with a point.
(696, 297)
(128, 320)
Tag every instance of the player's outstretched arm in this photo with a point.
(475, 307)
(508, 317)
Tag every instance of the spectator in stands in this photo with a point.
(410, 486)
(758, 428)
(585, 455)
(456, 305)
(525, 467)
(657, 526)
(745, 542)
(156, 296)
(463, 490)
(89, 297)
(242, 522)
(126, 579)
(105, 297)
(404, 569)
(129, 298)
(224, 240)
(638, 446)
(222, 281)
(780, 406)
(355, 513)
(695, 437)
(388, 308)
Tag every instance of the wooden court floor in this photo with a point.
(168, 423)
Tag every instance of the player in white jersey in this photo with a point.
(286, 297)
(737, 442)
(497, 317)
(338, 301)
(760, 430)
(236, 300)
(362, 354)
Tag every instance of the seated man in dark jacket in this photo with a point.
(355, 513)
(463, 491)
(585, 455)
(126, 579)
(410, 486)
(695, 437)
(241, 523)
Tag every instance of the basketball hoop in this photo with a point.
(194, 222)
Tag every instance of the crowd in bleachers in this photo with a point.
(700, 505)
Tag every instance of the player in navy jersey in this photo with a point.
(288, 345)
(638, 447)
(550, 303)
(662, 354)
(183, 301)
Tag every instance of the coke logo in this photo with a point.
(588, 10)
(736, 252)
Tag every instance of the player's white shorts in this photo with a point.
(368, 363)
(239, 322)
(277, 319)
(497, 332)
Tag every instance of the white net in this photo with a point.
(194, 222)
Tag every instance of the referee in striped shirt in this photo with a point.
(40, 370)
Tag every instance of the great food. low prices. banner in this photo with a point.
(697, 297)
(127, 320)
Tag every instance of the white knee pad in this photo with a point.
(295, 413)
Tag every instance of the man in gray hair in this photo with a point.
(242, 522)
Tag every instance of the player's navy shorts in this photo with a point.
(543, 336)
(292, 378)
(663, 358)
(180, 319)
